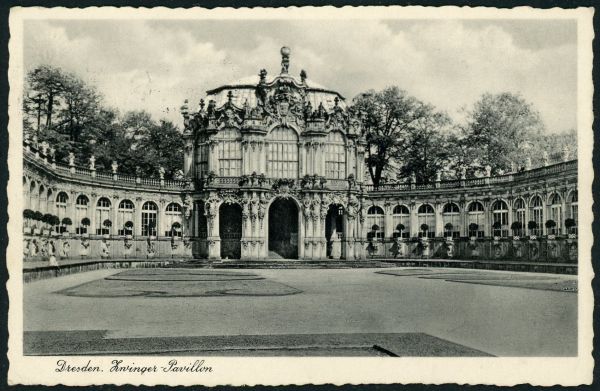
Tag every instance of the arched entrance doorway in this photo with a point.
(334, 230)
(230, 230)
(283, 229)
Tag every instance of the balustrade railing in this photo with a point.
(332, 184)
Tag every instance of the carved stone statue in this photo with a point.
(161, 172)
(488, 171)
(114, 166)
(285, 59)
(92, 163)
(71, 159)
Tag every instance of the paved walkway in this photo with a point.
(498, 320)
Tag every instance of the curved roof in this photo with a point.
(245, 90)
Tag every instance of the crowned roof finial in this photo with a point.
(285, 59)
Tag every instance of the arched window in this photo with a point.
(125, 217)
(476, 219)
(335, 157)
(283, 153)
(61, 210)
(34, 201)
(103, 216)
(26, 193)
(376, 222)
(519, 211)
(555, 206)
(42, 199)
(81, 213)
(500, 214)
(149, 219)
(201, 151)
(401, 215)
(573, 209)
(173, 226)
(451, 219)
(426, 218)
(230, 152)
(536, 214)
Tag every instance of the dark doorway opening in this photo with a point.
(283, 229)
(230, 230)
(334, 226)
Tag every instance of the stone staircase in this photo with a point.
(280, 263)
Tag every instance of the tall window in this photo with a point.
(537, 214)
(401, 215)
(172, 224)
(230, 152)
(335, 157)
(149, 218)
(202, 160)
(376, 222)
(125, 217)
(500, 214)
(476, 219)
(451, 215)
(102, 216)
(42, 199)
(283, 153)
(34, 202)
(556, 213)
(81, 213)
(426, 215)
(573, 197)
(61, 209)
(519, 212)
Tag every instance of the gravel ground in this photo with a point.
(498, 320)
(551, 282)
(179, 283)
(360, 344)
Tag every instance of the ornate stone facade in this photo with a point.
(274, 168)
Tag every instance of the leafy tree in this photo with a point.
(46, 84)
(392, 122)
(500, 130)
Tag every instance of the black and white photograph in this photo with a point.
(378, 194)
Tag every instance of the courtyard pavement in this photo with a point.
(408, 311)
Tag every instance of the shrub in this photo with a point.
(129, 224)
(473, 227)
(54, 220)
(107, 223)
(516, 225)
(570, 223)
(38, 216)
(28, 214)
(375, 227)
(85, 222)
(399, 227)
(424, 227)
(448, 226)
(497, 225)
(47, 218)
(532, 225)
(176, 226)
(67, 221)
(550, 224)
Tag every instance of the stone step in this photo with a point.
(280, 264)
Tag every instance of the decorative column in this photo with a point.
(92, 206)
(115, 214)
(388, 225)
(212, 217)
(413, 220)
(137, 222)
(439, 221)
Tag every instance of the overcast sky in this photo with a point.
(155, 65)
